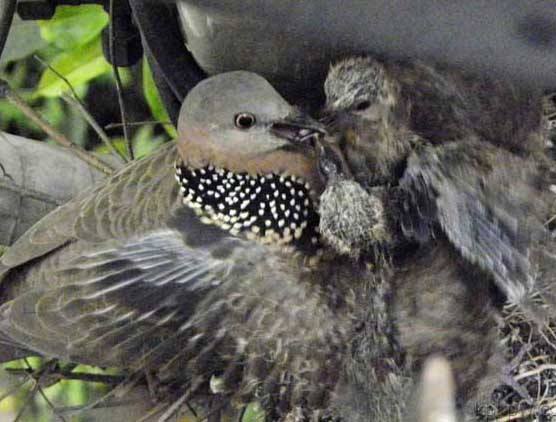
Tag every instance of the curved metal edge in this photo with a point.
(7, 11)
(174, 68)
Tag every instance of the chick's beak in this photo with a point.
(299, 129)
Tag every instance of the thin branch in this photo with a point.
(59, 75)
(14, 389)
(144, 122)
(519, 416)
(157, 409)
(79, 376)
(76, 410)
(49, 403)
(5, 173)
(536, 371)
(241, 414)
(28, 399)
(174, 407)
(16, 100)
(117, 391)
(96, 127)
(75, 101)
(118, 81)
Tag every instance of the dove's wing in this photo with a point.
(188, 302)
(121, 206)
(487, 201)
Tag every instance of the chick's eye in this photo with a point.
(362, 105)
(244, 120)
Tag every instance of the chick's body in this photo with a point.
(459, 164)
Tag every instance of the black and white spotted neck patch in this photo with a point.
(272, 208)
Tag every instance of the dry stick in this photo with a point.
(49, 403)
(76, 102)
(5, 173)
(16, 100)
(536, 371)
(144, 122)
(41, 391)
(29, 397)
(13, 389)
(100, 132)
(117, 391)
(118, 81)
(157, 409)
(174, 407)
(77, 376)
(241, 414)
(519, 416)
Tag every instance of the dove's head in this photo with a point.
(237, 121)
(248, 159)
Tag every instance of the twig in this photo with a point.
(536, 371)
(174, 407)
(158, 408)
(5, 173)
(75, 101)
(49, 403)
(75, 410)
(14, 389)
(519, 416)
(144, 122)
(96, 127)
(16, 100)
(190, 408)
(117, 391)
(80, 376)
(118, 81)
(241, 414)
(29, 396)
(59, 75)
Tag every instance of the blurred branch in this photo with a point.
(75, 101)
(144, 122)
(16, 100)
(62, 374)
(118, 82)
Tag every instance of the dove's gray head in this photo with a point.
(248, 160)
(359, 86)
(238, 121)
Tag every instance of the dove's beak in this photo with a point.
(299, 129)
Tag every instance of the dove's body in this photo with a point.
(163, 268)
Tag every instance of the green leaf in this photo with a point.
(153, 99)
(72, 26)
(253, 413)
(78, 66)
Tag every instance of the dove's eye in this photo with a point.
(244, 120)
(362, 105)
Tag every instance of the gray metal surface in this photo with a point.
(34, 179)
(291, 42)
